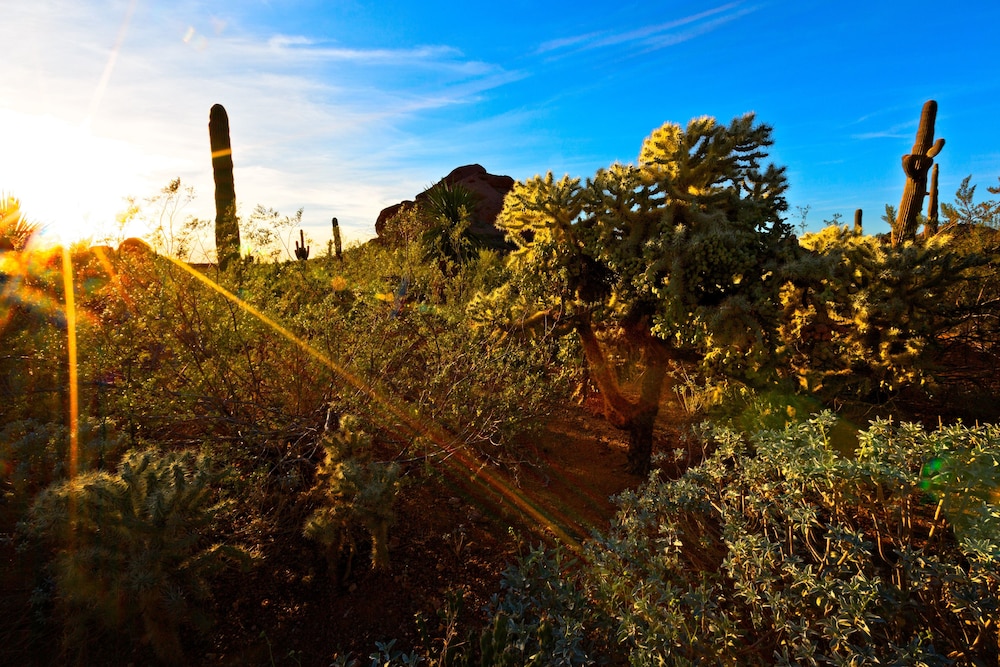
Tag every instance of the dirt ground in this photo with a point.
(458, 527)
(454, 536)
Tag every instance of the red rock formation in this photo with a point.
(490, 191)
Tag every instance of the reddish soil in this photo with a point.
(456, 532)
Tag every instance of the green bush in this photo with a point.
(776, 550)
(132, 550)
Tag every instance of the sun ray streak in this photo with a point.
(109, 67)
(460, 462)
(74, 384)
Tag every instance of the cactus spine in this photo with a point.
(302, 250)
(916, 164)
(336, 240)
(227, 229)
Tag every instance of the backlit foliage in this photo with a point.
(678, 257)
(354, 491)
(863, 317)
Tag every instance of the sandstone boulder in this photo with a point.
(490, 190)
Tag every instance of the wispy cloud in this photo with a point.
(314, 123)
(651, 37)
(897, 131)
(298, 46)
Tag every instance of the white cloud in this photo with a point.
(650, 37)
(313, 123)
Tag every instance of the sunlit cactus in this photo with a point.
(227, 229)
(133, 550)
(355, 491)
(916, 164)
(858, 228)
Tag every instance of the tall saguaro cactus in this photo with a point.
(916, 164)
(227, 229)
(336, 240)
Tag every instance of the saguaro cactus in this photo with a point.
(302, 250)
(227, 228)
(916, 164)
(336, 240)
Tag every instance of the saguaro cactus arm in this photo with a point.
(916, 164)
(227, 229)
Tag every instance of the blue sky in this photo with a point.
(343, 108)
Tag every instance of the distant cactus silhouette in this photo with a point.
(916, 164)
(301, 250)
(858, 228)
(336, 240)
(227, 229)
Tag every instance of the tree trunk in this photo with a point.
(640, 443)
(635, 417)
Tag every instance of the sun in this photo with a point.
(70, 181)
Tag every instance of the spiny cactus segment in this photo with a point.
(336, 240)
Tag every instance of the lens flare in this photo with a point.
(459, 462)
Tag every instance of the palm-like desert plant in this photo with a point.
(15, 229)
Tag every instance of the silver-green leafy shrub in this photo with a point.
(777, 550)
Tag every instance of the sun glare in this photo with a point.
(69, 181)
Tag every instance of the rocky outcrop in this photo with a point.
(490, 191)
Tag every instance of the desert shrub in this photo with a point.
(132, 550)
(354, 492)
(777, 550)
(866, 319)
(419, 352)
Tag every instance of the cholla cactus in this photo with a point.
(132, 548)
(916, 164)
(354, 490)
